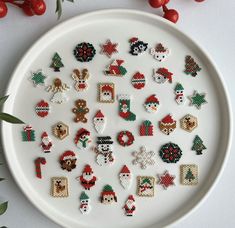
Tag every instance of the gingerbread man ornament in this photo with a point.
(80, 111)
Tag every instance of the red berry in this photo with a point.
(166, 2)
(171, 15)
(27, 9)
(157, 3)
(39, 7)
(3, 9)
(199, 0)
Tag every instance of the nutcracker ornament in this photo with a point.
(85, 207)
(129, 207)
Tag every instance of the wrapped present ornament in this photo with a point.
(146, 128)
(28, 134)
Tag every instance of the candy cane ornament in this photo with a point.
(38, 162)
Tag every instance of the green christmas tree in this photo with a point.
(191, 67)
(198, 145)
(56, 62)
(189, 176)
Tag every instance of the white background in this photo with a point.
(211, 24)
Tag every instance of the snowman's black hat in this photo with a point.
(104, 140)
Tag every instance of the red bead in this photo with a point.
(3, 9)
(171, 15)
(157, 3)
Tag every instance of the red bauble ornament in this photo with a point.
(39, 7)
(170, 14)
(157, 3)
(3, 9)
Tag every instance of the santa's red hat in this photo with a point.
(152, 99)
(67, 155)
(87, 169)
(131, 197)
(80, 133)
(107, 88)
(44, 135)
(133, 40)
(165, 73)
(168, 120)
(160, 48)
(125, 169)
(99, 114)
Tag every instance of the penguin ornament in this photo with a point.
(137, 47)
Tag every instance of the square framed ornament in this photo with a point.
(106, 92)
(145, 186)
(59, 187)
(189, 174)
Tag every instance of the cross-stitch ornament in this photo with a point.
(82, 139)
(115, 68)
(109, 48)
(80, 111)
(84, 52)
(197, 99)
(125, 107)
(191, 67)
(38, 78)
(151, 104)
(104, 151)
(58, 88)
(188, 123)
(28, 134)
(87, 179)
(60, 130)
(145, 186)
(166, 180)
(59, 187)
(106, 92)
(138, 81)
(80, 78)
(146, 128)
(42, 108)
(46, 143)
(108, 196)
(161, 75)
(125, 177)
(167, 125)
(38, 162)
(160, 53)
(129, 207)
(189, 174)
(99, 121)
(137, 47)
(170, 153)
(125, 138)
(56, 63)
(179, 92)
(68, 160)
(198, 145)
(85, 207)
(143, 157)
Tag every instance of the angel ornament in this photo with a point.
(80, 78)
(58, 88)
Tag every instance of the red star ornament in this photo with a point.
(109, 48)
(166, 180)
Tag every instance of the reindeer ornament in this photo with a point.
(80, 79)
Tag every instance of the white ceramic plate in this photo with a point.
(118, 25)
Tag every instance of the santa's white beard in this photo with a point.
(151, 108)
(45, 141)
(130, 203)
(125, 182)
(106, 97)
(99, 126)
(87, 177)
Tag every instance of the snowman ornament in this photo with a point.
(85, 207)
(82, 138)
(151, 104)
(179, 92)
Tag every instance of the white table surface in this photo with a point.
(211, 24)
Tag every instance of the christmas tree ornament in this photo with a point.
(143, 157)
(85, 207)
(160, 53)
(198, 145)
(80, 78)
(161, 75)
(191, 67)
(28, 134)
(42, 108)
(108, 196)
(170, 153)
(125, 107)
(59, 187)
(145, 186)
(197, 99)
(188, 122)
(38, 162)
(60, 130)
(138, 80)
(84, 52)
(109, 48)
(80, 111)
(46, 143)
(104, 151)
(137, 47)
(189, 174)
(166, 180)
(129, 207)
(167, 125)
(58, 88)
(68, 160)
(179, 92)
(125, 138)
(82, 139)
(115, 68)
(125, 177)
(38, 78)
(56, 62)
(106, 92)
(146, 128)
(99, 122)
(87, 179)
(151, 104)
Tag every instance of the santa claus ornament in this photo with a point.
(46, 143)
(115, 68)
(87, 179)
(82, 138)
(85, 207)
(129, 207)
(125, 177)
(179, 92)
(161, 75)
(167, 125)
(160, 53)
(137, 47)
(151, 104)
(80, 78)
(138, 81)
(42, 108)
(108, 196)
(68, 160)
(99, 122)
(106, 92)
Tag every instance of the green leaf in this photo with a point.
(9, 118)
(3, 227)
(70, 0)
(3, 99)
(58, 9)
(1, 179)
(3, 208)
